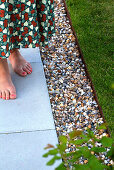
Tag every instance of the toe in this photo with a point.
(12, 94)
(29, 65)
(27, 69)
(30, 68)
(7, 94)
(21, 72)
(3, 95)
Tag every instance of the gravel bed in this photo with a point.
(71, 96)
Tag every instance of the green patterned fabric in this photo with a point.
(25, 23)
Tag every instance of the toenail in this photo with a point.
(13, 94)
(24, 73)
(4, 98)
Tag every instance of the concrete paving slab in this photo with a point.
(23, 151)
(31, 110)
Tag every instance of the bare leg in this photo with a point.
(19, 64)
(7, 89)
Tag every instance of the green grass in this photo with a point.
(93, 24)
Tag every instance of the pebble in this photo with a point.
(71, 96)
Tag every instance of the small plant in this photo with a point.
(81, 140)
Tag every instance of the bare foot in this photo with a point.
(7, 89)
(19, 64)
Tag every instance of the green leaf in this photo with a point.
(46, 154)
(76, 142)
(98, 140)
(86, 139)
(82, 152)
(102, 126)
(61, 167)
(90, 133)
(58, 157)
(106, 141)
(53, 152)
(63, 139)
(85, 151)
(79, 141)
(57, 145)
(81, 167)
(52, 161)
(75, 157)
(75, 133)
(94, 164)
(83, 135)
(62, 148)
(98, 149)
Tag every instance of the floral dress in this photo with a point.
(25, 23)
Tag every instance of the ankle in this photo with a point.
(3, 61)
(13, 54)
(4, 69)
(14, 50)
(3, 65)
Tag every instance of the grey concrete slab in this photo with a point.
(31, 54)
(31, 110)
(23, 151)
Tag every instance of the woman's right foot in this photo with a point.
(7, 88)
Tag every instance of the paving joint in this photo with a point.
(25, 131)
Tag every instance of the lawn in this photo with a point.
(93, 24)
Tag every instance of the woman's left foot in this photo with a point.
(19, 64)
